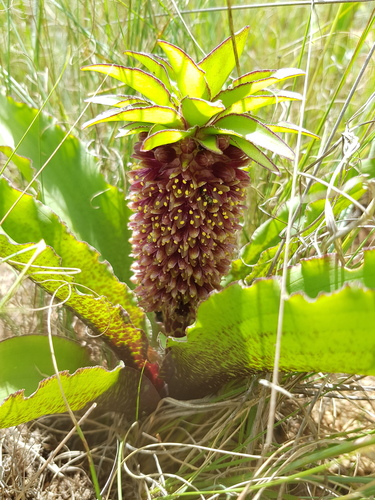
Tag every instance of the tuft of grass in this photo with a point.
(322, 425)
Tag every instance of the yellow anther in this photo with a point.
(190, 212)
(184, 181)
(179, 191)
(215, 201)
(191, 222)
(179, 211)
(157, 203)
(175, 217)
(182, 222)
(165, 204)
(187, 193)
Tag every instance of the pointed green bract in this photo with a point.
(117, 101)
(198, 111)
(137, 79)
(253, 102)
(197, 100)
(209, 142)
(189, 77)
(255, 154)
(291, 128)
(234, 94)
(245, 85)
(162, 137)
(263, 79)
(152, 65)
(154, 114)
(219, 63)
(253, 131)
(253, 76)
(133, 128)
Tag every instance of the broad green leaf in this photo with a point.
(27, 359)
(71, 183)
(81, 387)
(72, 271)
(291, 128)
(313, 276)
(133, 128)
(26, 362)
(152, 65)
(260, 79)
(255, 154)
(262, 268)
(118, 101)
(154, 114)
(189, 77)
(219, 63)
(235, 334)
(252, 130)
(139, 80)
(23, 165)
(162, 137)
(198, 112)
(258, 101)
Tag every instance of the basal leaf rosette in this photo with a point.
(196, 135)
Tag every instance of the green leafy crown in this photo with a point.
(182, 99)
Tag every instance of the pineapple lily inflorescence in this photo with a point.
(188, 187)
